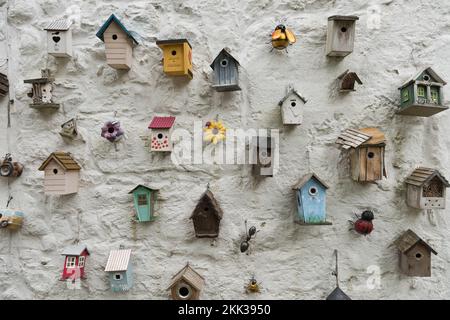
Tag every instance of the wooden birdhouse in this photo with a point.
(226, 72)
(423, 95)
(414, 255)
(187, 284)
(160, 139)
(206, 216)
(120, 270)
(426, 189)
(263, 154)
(61, 174)
(347, 81)
(341, 35)
(4, 85)
(42, 91)
(292, 107)
(69, 129)
(144, 202)
(59, 38)
(119, 43)
(311, 193)
(11, 219)
(177, 59)
(367, 152)
(75, 262)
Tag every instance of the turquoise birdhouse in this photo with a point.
(144, 202)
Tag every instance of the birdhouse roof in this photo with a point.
(59, 25)
(64, 159)
(118, 260)
(74, 250)
(142, 186)
(338, 294)
(352, 138)
(292, 91)
(408, 240)
(112, 18)
(45, 78)
(208, 197)
(189, 275)
(306, 178)
(428, 70)
(343, 18)
(421, 176)
(161, 43)
(162, 123)
(350, 74)
(224, 52)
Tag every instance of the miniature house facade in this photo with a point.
(187, 284)
(11, 219)
(42, 91)
(347, 81)
(426, 189)
(311, 194)
(206, 216)
(292, 107)
(74, 262)
(422, 96)
(177, 59)
(144, 203)
(226, 72)
(61, 174)
(59, 38)
(160, 139)
(69, 129)
(263, 155)
(119, 43)
(341, 35)
(120, 270)
(414, 255)
(4, 85)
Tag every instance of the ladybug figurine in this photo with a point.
(363, 225)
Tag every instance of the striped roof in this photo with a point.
(308, 177)
(112, 18)
(408, 240)
(189, 275)
(161, 123)
(74, 250)
(59, 25)
(118, 260)
(64, 159)
(422, 176)
(352, 138)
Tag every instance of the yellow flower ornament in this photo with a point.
(214, 132)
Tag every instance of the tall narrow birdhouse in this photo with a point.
(144, 202)
(177, 59)
(74, 262)
(161, 136)
(206, 216)
(414, 255)
(341, 35)
(41, 92)
(119, 43)
(263, 155)
(187, 284)
(4, 85)
(11, 219)
(69, 129)
(59, 38)
(367, 152)
(426, 189)
(347, 81)
(120, 270)
(311, 194)
(61, 174)
(226, 72)
(292, 107)
(423, 95)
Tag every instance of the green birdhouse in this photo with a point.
(144, 202)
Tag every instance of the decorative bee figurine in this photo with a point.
(251, 233)
(69, 129)
(253, 286)
(282, 37)
(363, 225)
(8, 168)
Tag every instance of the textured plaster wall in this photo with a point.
(291, 261)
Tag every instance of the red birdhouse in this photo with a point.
(74, 262)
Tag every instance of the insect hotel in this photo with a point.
(292, 107)
(423, 95)
(367, 150)
(10, 168)
(160, 139)
(74, 262)
(414, 255)
(61, 174)
(177, 59)
(226, 72)
(263, 155)
(11, 219)
(206, 216)
(341, 35)
(4, 85)
(347, 81)
(120, 270)
(119, 43)
(187, 284)
(69, 129)
(59, 38)
(425, 189)
(41, 92)
(144, 203)
(311, 194)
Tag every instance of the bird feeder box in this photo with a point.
(11, 219)
(367, 151)
(311, 193)
(119, 43)
(426, 189)
(120, 270)
(341, 35)
(42, 91)
(206, 216)
(69, 129)
(160, 139)
(226, 72)
(292, 107)
(263, 155)
(144, 202)
(347, 81)
(187, 284)
(61, 174)
(423, 95)
(59, 38)
(74, 262)
(414, 255)
(4, 85)
(177, 59)
(10, 168)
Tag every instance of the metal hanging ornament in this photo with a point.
(249, 234)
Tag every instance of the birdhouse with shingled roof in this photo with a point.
(61, 174)
(347, 81)
(187, 284)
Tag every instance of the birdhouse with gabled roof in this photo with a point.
(347, 81)
(206, 216)
(61, 174)
(69, 129)
(263, 155)
(187, 284)
(226, 72)
(42, 91)
(4, 85)
(177, 59)
(144, 202)
(59, 38)
(74, 262)
(120, 270)
(341, 35)
(414, 254)
(422, 96)
(160, 139)
(119, 43)
(292, 107)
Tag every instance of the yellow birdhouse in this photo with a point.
(177, 57)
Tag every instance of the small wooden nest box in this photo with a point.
(292, 107)
(160, 139)
(426, 189)
(367, 149)
(4, 85)
(75, 262)
(41, 92)
(226, 72)
(177, 59)
(186, 284)
(311, 193)
(59, 38)
(347, 81)
(11, 219)
(423, 95)
(144, 202)
(414, 255)
(119, 43)
(120, 270)
(61, 174)
(263, 155)
(206, 216)
(69, 129)
(341, 35)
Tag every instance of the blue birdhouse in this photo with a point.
(226, 73)
(311, 194)
(120, 270)
(144, 202)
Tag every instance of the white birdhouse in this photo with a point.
(292, 107)
(59, 38)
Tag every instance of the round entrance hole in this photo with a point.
(114, 37)
(370, 155)
(174, 52)
(110, 129)
(418, 256)
(426, 78)
(160, 135)
(343, 29)
(293, 104)
(183, 292)
(55, 171)
(312, 191)
(224, 63)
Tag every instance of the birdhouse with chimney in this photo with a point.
(160, 139)
(206, 216)
(187, 284)
(341, 35)
(61, 174)
(263, 155)
(144, 202)
(347, 81)
(42, 91)
(74, 262)
(226, 72)
(59, 38)
(120, 270)
(177, 59)
(4, 85)
(292, 106)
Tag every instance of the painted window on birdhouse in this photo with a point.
(405, 95)
(421, 91)
(142, 200)
(435, 95)
(81, 261)
(118, 276)
(71, 261)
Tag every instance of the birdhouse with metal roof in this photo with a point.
(74, 262)
(119, 43)
(414, 255)
(4, 85)
(292, 106)
(160, 139)
(341, 35)
(144, 203)
(42, 91)
(263, 155)
(347, 81)
(187, 284)
(59, 38)
(366, 152)
(423, 95)
(226, 72)
(206, 216)
(120, 270)
(61, 174)
(177, 59)
(426, 189)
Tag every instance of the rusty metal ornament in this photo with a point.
(245, 244)
(8, 168)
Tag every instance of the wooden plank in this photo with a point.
(362, 164)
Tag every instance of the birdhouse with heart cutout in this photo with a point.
(160, 139)
(347, 81)
(292, 107)
(4, 85)
(177, 59)
(226, 72)
(59, 38)
(341, 35)
(42, 91)
(61, 174)
(186, 284)
(263, 155)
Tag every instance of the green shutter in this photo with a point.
(405, 95)
(434, 94)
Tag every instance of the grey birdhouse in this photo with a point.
(41, 92)
(59, 38)
(292, 107)
(226, 73)
(341, 35)
(69, 129)
(263, 155)
(347, 81)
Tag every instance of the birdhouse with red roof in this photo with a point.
(61, 174)
(75, 262)
(160, 139)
